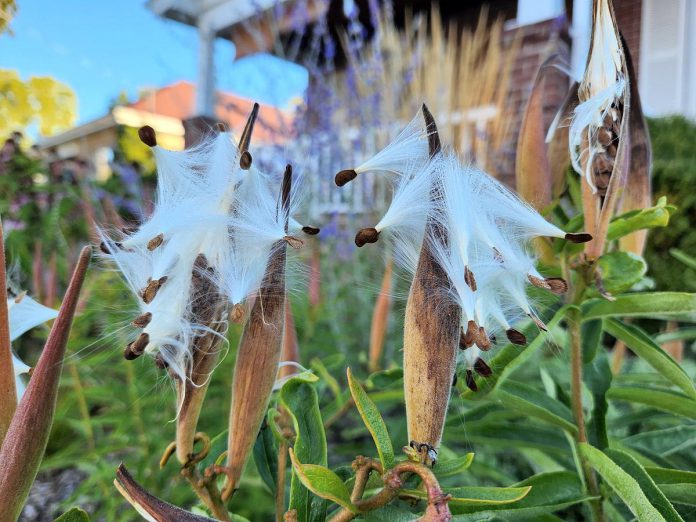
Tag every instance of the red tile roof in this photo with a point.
(178, 101)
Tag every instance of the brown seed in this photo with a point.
(245, 160)
(482, 368)
(471, 334)
(482, 340)
(294, 242)
(469, 278)
(142, 320)
(155, 242)
(602, 163)
(237, 314)
(150, 291)
(470, 381)
(580, 237)
(104, 248)
(604, 137)
(311, 231)
(540, 324)
(557, 285)
(137, 347)
(220, 127)
(129, 230)
(611, 150)
(366, 235)
(538, 282)
(462, 341)
(345, 176)
(160, 362)
(147, 136)
(516, 337)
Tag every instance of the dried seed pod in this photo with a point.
(366, 235)
(469, 278)
(557, 285)
(516, 337)
(345, 176)
(471, 334)
(538, 282)
(482, 340)
(581, 237)
(208, 308)
(245, 159)
(257, 361)
(150, 291)
(431, 336)
(137, 347)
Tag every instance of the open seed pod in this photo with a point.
(431, 338)
(258, 357)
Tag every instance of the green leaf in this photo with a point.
(528, 401)
(549, 492)
(646, 483)
(73, 515)
(511, 435)
(373, 420)
(652, 217)
(620, 271)
(680, 493)
(591, 337)
(671, 476)
(641, 344)
(664, 442)
(688, 260)
(300, 399)
(475, 495)
(663, 400)
(622, 483)
(510, 357)
(597, 377)
(390, 513)
(266, 456)
(323, 482)
(653, 305)
(451, 467)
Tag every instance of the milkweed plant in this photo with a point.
(515, 304)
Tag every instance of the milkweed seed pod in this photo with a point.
(201, 253)
(599, 136)
(258, 355)
(467, 240)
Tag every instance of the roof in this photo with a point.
(178, 101)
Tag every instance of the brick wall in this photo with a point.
(628, 15)
(538, 41)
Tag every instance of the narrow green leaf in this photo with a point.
(73, 515)
(680, 493)
(641, 344)
(663, 442)
(390, 513)
(591, 335)
(300, 399)
(451, 467)
(476, 496)
(373, 420)
(653, 217)
(266, 456)
(622, 483)
(598, 377)
(323, 482)
(683, 334)
(671, 476)
(549, 492)
(646, 483)
(676, 305)
(664, 400)
(527, 401)
(685, 258)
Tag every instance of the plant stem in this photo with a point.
(280, 484)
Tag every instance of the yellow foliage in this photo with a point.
(41, 100)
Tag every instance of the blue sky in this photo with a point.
(101, 48)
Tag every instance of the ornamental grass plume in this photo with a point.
(467, 240)
(193, 263)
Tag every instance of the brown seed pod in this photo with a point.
(482, 340)
(516, 337)
(366, 235)
(345, 176)
(150, 291)
(469, 278)
(137, 347)
(471, 334)
(147, 136)
(538, 282)
(257, 361)
(431, 336)
(557, 285)
(462, 340)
